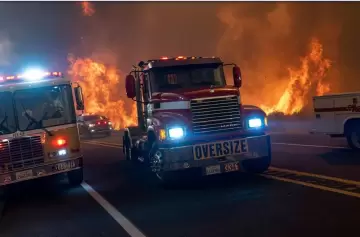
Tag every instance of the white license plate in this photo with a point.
(24, 174)
(65, 165)
(214, 169)
(230, 167)
(219, 149)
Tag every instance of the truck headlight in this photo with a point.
(176, 132)
(255, 123)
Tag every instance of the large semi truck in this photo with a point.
(38, 131)
(189, 118)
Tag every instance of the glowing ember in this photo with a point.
(88, 8)
(103, 91)
(312, 72)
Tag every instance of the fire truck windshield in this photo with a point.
(7, 120)
(39, 108)
(186, 77)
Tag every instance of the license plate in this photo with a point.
(219, 149)
(215, 169)
(229, 167)
(65, 165)
(24, 174)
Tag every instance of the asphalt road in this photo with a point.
(312, 189)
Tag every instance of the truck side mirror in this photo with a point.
(130, 86)
(79, 98)
(237, 76)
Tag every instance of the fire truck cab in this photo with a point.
(338, 115)
(189, 119)
(38, 130)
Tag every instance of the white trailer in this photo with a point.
(338, 115)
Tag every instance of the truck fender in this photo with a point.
(348, 121)
(151, 132)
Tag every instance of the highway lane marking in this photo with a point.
(274, 143)
(104, 144)
(308, 145)
(346, 181)
(322, 182)
(129, 227)
(313, 185)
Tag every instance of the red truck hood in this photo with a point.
(188, 94)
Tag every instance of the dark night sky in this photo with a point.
(41, 33)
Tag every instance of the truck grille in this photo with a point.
(21, 153)
(215, 115)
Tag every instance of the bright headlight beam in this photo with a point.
(176, 132)
(255, 123)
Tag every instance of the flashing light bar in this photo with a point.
(181, 58)
(31, 75)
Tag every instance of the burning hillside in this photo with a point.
(103, 91)
(87, 8)
(310, 74)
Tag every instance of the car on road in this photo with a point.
(94, 124)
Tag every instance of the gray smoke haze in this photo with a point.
(264, 39)
(6, 54)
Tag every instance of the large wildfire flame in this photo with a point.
(88, 8)
(312, 72)
(103, 91)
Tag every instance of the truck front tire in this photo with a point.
(258, 165)
(75, 177)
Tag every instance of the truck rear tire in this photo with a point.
(353, 138)
(258, 165)
(75, 177)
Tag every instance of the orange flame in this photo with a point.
(88, 8)
(103, 91)
(312, 71)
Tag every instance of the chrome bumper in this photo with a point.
(39, 171)
(180, 158)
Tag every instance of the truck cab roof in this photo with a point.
(178, 61)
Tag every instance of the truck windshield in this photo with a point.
(189, 77)
(38, 108)
(7, 120)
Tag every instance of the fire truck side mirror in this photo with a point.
(237, 76)
(79, 98)
(130, 86)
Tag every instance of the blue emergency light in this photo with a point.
(30, 75)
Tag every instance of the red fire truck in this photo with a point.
(189, 118)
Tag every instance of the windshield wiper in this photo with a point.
(7, 130)
(36, 122)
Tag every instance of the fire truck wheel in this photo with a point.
(258, 165)
(75, 177)
(3, 193)
(167, 179)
